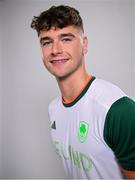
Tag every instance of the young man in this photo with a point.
(93, 123)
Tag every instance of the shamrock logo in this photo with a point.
(83, 131)
(82, 128)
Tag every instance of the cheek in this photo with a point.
(76, 49)
(45, 55)
(45, 63)
(43, 59)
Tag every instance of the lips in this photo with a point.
(59, 61)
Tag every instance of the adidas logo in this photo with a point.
(53, 125)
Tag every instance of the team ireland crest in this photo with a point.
(83, 131)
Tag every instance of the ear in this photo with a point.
(85, 45)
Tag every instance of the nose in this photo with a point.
(56, 48)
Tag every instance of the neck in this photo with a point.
(71, 87)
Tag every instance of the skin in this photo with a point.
(128, 174)
(63, 55)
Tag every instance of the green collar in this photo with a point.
(81, 94)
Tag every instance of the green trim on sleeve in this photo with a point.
(119, 132)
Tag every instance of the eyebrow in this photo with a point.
(66, 34)
(47, 38)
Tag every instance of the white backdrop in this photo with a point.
(27, 88)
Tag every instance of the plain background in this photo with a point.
(26, 88)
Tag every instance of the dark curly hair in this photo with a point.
(58, 17)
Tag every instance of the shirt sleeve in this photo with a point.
(119, 132)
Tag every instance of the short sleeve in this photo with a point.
(119, 132)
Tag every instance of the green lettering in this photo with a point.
(70, 151)
(76, 158)
(86, 162)
(57, 148)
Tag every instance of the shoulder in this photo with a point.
(121, 115)
(105, 92)
(54, 104)
(106, 87)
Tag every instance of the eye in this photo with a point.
(66, 39)
(46, 43)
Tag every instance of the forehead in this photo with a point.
(56, 32)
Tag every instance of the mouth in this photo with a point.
(59, 61)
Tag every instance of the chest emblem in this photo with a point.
(83, 131)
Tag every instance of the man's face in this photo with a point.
(63, 50)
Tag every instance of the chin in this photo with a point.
(61, 75)
(58, 75)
